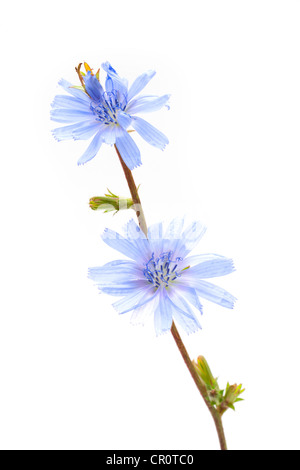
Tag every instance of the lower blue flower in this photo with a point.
(160, 278)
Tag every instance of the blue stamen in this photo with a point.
(106, 109)
(157, 270)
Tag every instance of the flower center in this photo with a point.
(162, 271)
(107, 108)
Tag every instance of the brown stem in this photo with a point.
(137, 206)
(201, 387)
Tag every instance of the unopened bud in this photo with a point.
(203, 370)
(205, 373)
(110, 202)
(231, 396)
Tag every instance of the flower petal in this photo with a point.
(87, 130)
(65, 115)
(109, 86)
(79, 94)
(136, 236)
(147, 104)
(92, 149)
(196, 259)
(123, 290)
(149, 133)
(155, 235)
(133, 231)
(211, 268)
(119, 84)
(109, 134)
(140, 314)
(128, 149)
(155, 231)
(66, 132)
(124, 119)
(190, 237)
(140, 83)
(116, 275)
(135, 300)
(183, 313)
(69, 102)
(121, 244)
(163, 313)
(191, 296)
(93, 86)
(174, 229)
(215, 294)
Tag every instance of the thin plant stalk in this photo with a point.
(137, 206)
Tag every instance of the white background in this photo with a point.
(74, 374)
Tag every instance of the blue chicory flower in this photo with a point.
(160, 279)
(107, 113)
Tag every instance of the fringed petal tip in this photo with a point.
(234, 301)
(59, 136)
(135, 165)
(150, 73)
(228, 303)
(162, 332)
(52, 117)
(189, 331)
(117, 308)
(149, 133)
(163, 147)
(167, 101)
(90, 272)
(64, 83)
(196, 328)
(53, 132)
(232, 265)
(79, 163)
(167, 104)
(137, 323)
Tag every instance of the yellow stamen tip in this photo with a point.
(87, 67)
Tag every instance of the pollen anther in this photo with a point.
(160, 271)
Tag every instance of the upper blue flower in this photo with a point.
(107, 114)
(161, 279)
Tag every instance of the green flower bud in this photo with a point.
(217, 397)
(231, 396)
(110, 202)
(213, 391)
(204, 371)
